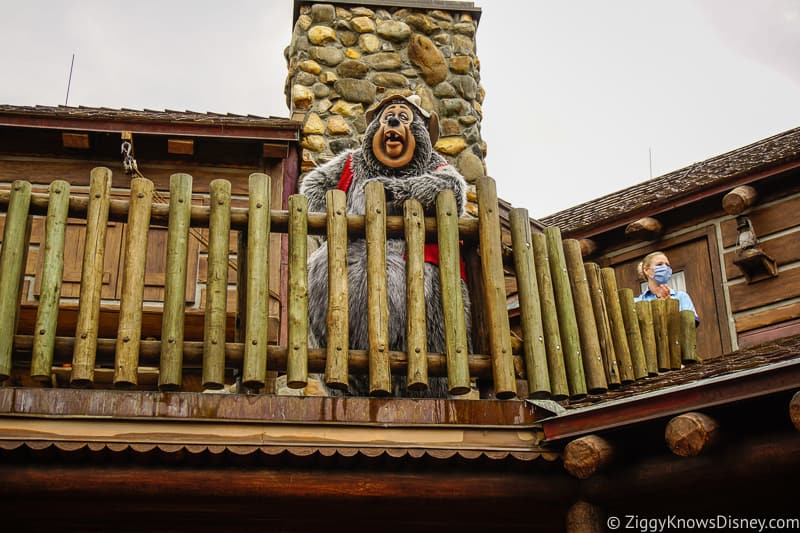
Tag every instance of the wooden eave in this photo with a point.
(768, 157)
(184, 123)
(750, 373)
(74, 419)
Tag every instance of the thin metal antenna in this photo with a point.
(69, 81)
(650, 152)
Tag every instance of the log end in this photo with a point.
(585, 456)
(794, 410)
(690, 434)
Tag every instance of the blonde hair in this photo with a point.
(645, 263)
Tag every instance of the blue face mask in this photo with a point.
(661, 274)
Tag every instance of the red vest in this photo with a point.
(431, 248)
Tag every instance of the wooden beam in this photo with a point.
(585, 456)
(584, 517)
(691, 434)
(588, 247)
(21, 403)
(180, 146)
(276, 150)
(79, 141)
(794, 410)
(739, 199)
(646, 229)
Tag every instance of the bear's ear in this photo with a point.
(433, 127)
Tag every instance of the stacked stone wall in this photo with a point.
(342, 59)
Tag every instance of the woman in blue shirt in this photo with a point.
(656, 269)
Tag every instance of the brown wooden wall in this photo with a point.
(41, 171)
(767, 308)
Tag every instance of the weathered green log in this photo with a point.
(584, 314)
(416, 336)
(337, 319)
(688, 338)
(254, 371)
(94, 250)
(455, 327)
(217, 285)
(170, 376)
(633, 333)
(603, 324)
(505, 384)
(674, 332)
(624, 363)
(129, 332)
(297, 364)
(12, 268)
(480, 365)
(380, 378)
(552, 337)
(570, 339)
(644, 314)
(52, 271)
(529, 306)
(659, 308)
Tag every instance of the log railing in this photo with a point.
(580, 334)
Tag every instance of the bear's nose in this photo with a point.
(393, 122)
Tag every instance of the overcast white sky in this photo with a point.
(579, 93)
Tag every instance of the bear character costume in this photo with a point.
(397, 150)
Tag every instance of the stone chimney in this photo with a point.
(345, 56)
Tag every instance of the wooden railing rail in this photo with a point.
(581, 335)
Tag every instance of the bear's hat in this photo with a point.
(415, 102)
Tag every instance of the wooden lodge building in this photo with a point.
(141, 344)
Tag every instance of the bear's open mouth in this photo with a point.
(393, 138)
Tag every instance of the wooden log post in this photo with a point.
(739, 199)
(587, 327)
(94, 250)
(602, 323)
(690, 434)
(659, 308)
(337, 320)
(674, 332)
(505, 385)
(170, 376)
(256, 328)
(567, 323)
(529, 306)
(217, 285)
(455, 327)
(552, 336)
(644, 314)
(416, 335)
(794, 410)
(584, 517)
(52, 272)
(618, 335)
(297, 362)
(587, 455)
(632, 332)
(380, 377)
(129, 332)
(16, 236)
(688, 338)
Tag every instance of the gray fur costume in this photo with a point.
(422, 178)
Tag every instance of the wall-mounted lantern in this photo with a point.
(754, 262)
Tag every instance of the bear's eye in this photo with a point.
(404, 117)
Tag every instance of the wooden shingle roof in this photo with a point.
(664, 192)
